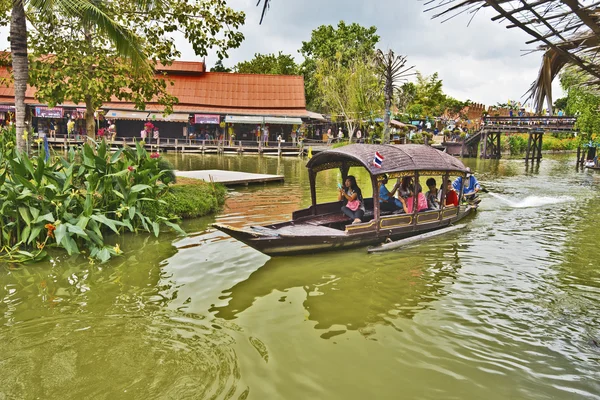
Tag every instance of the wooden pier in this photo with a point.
(229, 178)
(168, 145)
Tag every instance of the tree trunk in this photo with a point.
(18, 48)
(388, 107)
(90, 122)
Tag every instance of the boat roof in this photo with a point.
(396, 158)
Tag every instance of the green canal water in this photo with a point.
(508, 308)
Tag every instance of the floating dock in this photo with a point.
(229, 178)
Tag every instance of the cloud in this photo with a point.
(483, 62)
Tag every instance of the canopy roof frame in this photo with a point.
(568, 30)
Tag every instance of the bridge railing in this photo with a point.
(543, 122)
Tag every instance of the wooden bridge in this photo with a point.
(535, 127)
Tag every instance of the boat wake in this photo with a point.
(533, 201)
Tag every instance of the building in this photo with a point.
(213, 103)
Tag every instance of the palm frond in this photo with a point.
(266, 5)
(567, 31)
(95, 14)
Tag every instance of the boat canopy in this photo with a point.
(398, 160)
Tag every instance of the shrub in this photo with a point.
(517, 144)
(191, 201)
(73, 202)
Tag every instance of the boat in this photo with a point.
(323, 227)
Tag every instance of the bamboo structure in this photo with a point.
(567, 31)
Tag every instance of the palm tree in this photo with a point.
(392, 72)
(89, 12)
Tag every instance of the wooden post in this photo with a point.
(279, 147)
(528, 148)
(485, 142)
(415, 199)
(498, 150)
(176, 142)
(313, 191)
(376, 205)
(541, 137)
(445, 178)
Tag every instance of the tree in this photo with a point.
(350, 92)
(561, 104)
(274, 64)
(405, 95)
(583, 102)
(83, 68)
(219, 67)
(342, 45)
(392, 71)
(88, 13)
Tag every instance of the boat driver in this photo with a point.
(472, 186)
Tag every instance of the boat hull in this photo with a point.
(276, 243)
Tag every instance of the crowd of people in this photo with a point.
(406, 195)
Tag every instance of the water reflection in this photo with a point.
(353, 291)
(75, 330)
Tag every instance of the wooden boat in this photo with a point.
(323, 227)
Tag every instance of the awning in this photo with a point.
(120, 114)
(256, 119)
(314, 115)
(283, 120)
(170, 118)
(243, 119)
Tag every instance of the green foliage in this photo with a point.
(274, 64)
(340, 144)
(72, 202)
(166, 167)
(582, 102)
(190, 201)
(344, 44)
(85, 69)
(219, 67)
(561, 104)
(517, 144)
(349, 91)
(426, 98)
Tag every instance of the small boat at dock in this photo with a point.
(323, 227)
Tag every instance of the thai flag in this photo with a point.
(378, 160)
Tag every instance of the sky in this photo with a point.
(483, 61)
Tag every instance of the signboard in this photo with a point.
(207, 119)
(5, 107)
(45, 112)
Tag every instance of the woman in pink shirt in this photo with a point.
(407, 204)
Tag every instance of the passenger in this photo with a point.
(351, 195)
(386, 198)
(451, 195)
(407, 205)
(406, 187)
(471, 186)
(432, 195)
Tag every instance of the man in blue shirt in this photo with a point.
(386, 198)
(471, 186)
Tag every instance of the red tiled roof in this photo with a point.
(183, 66)
(215, 92)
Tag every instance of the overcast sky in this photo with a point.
(483, 62)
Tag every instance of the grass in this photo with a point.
(192, 198)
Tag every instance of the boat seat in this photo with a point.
(328, 219)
